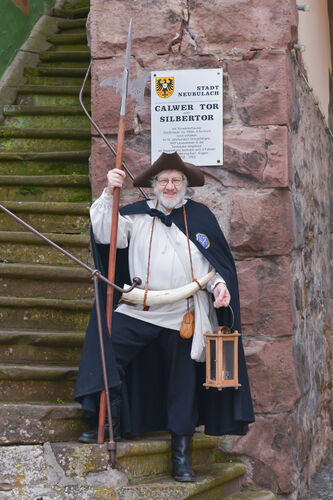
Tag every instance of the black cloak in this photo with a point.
(144, 402)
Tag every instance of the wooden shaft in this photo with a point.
(112, 265)
(101, 418)
(114, 224)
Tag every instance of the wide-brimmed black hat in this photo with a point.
(170, 161)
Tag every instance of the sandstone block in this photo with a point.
(265, 297)
(242, 24)
(155, 26)
(21, 466)
(103, 160)
(38, 422)
(179, 61)
(106, 101)
(254, 156)
(263, 88)
(271, 367)
(269, 446)
(261, 222)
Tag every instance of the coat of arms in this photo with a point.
(165, 86)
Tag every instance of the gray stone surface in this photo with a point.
(312, 153)
(35, 472)
(322, 482)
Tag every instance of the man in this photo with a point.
(155, 375)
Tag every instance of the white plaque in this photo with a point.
(187, 115)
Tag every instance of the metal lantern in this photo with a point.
(222, 357)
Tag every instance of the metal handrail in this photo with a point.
(96, 276)
(136, 281)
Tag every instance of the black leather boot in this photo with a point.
(181, 468)
(91, 436)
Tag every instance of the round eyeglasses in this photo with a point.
(176, 181)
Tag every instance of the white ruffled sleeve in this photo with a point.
(101, 217)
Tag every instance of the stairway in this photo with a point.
(73, 470)
(45, 298)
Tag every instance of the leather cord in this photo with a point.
(189, 248)
(145, 307)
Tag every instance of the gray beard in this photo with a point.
(170, 205)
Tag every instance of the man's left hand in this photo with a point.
(222, 296)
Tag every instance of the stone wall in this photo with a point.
(253, 194)
(311, 272)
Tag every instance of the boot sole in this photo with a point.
(182, 479)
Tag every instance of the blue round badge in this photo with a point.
(203, 240)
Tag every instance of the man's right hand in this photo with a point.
(115, 178)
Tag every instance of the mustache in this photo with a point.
(165, 191)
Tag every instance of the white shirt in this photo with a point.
(166, 268)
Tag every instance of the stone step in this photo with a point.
(50, 471)
(67, 188)
(64, 64)
(41, 133)
(73, 30)
(55, 80)
(251, 494)
(16, 110)
(66, 55)
(39, 139)
(54, 162)
(212, 481)
(49, 167)
(70, 4)
(49, 89)
(71, 13)
(68, 47)
(42, 144)
(55, 71)
(32, 423)
(51, 95)
(68, 24)
(45, 156)
(35, 192)
(149, 455)
(48, 477)
(52, 217)
(45, 347)
(35, 313)
(46, 180)
(47, 117)
(68, 38)
(34, 280)
(25, 247)
(32, 383)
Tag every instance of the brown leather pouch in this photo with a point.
(187, 327)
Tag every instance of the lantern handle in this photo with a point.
(232, 316)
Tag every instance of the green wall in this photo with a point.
(15, 28)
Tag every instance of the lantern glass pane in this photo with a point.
(212, 345)
(228, 360)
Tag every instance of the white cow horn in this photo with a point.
(161, 297)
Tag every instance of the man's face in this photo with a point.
(169, 188)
